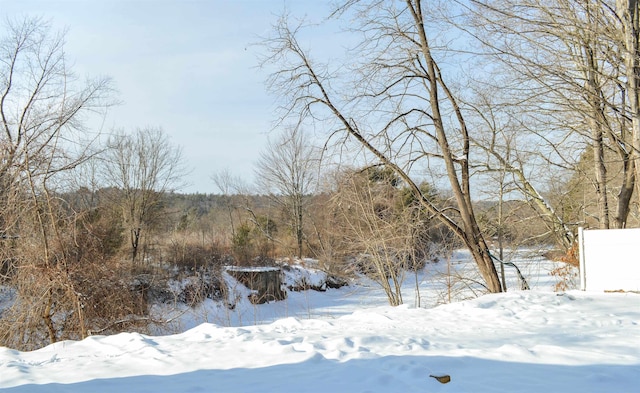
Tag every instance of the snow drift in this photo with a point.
(512, 342)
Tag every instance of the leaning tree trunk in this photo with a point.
(471, 234)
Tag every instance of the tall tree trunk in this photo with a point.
(596, 120)
(630, 16)
(600, 171)
(135, 242)
(46, 317)
(626, 192)
(299, 229)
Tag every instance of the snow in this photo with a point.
(251, 269)
(347, 340)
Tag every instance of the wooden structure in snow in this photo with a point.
(264, 282)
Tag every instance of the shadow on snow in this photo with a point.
(378, 374)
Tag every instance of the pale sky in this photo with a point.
(187, 66)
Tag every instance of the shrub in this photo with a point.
(566, 273)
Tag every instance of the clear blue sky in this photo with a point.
(186, 66)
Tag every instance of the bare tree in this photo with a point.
(286, 171)
(510, 164)
(236, 199)
(41, 104)
(228, 186)
(417, 116)
(380, 226)
(142, 167)
(41, 107)
(564, 59)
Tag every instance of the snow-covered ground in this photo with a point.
(438, 283)
(348, 340)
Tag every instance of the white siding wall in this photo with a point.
(610, 259)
